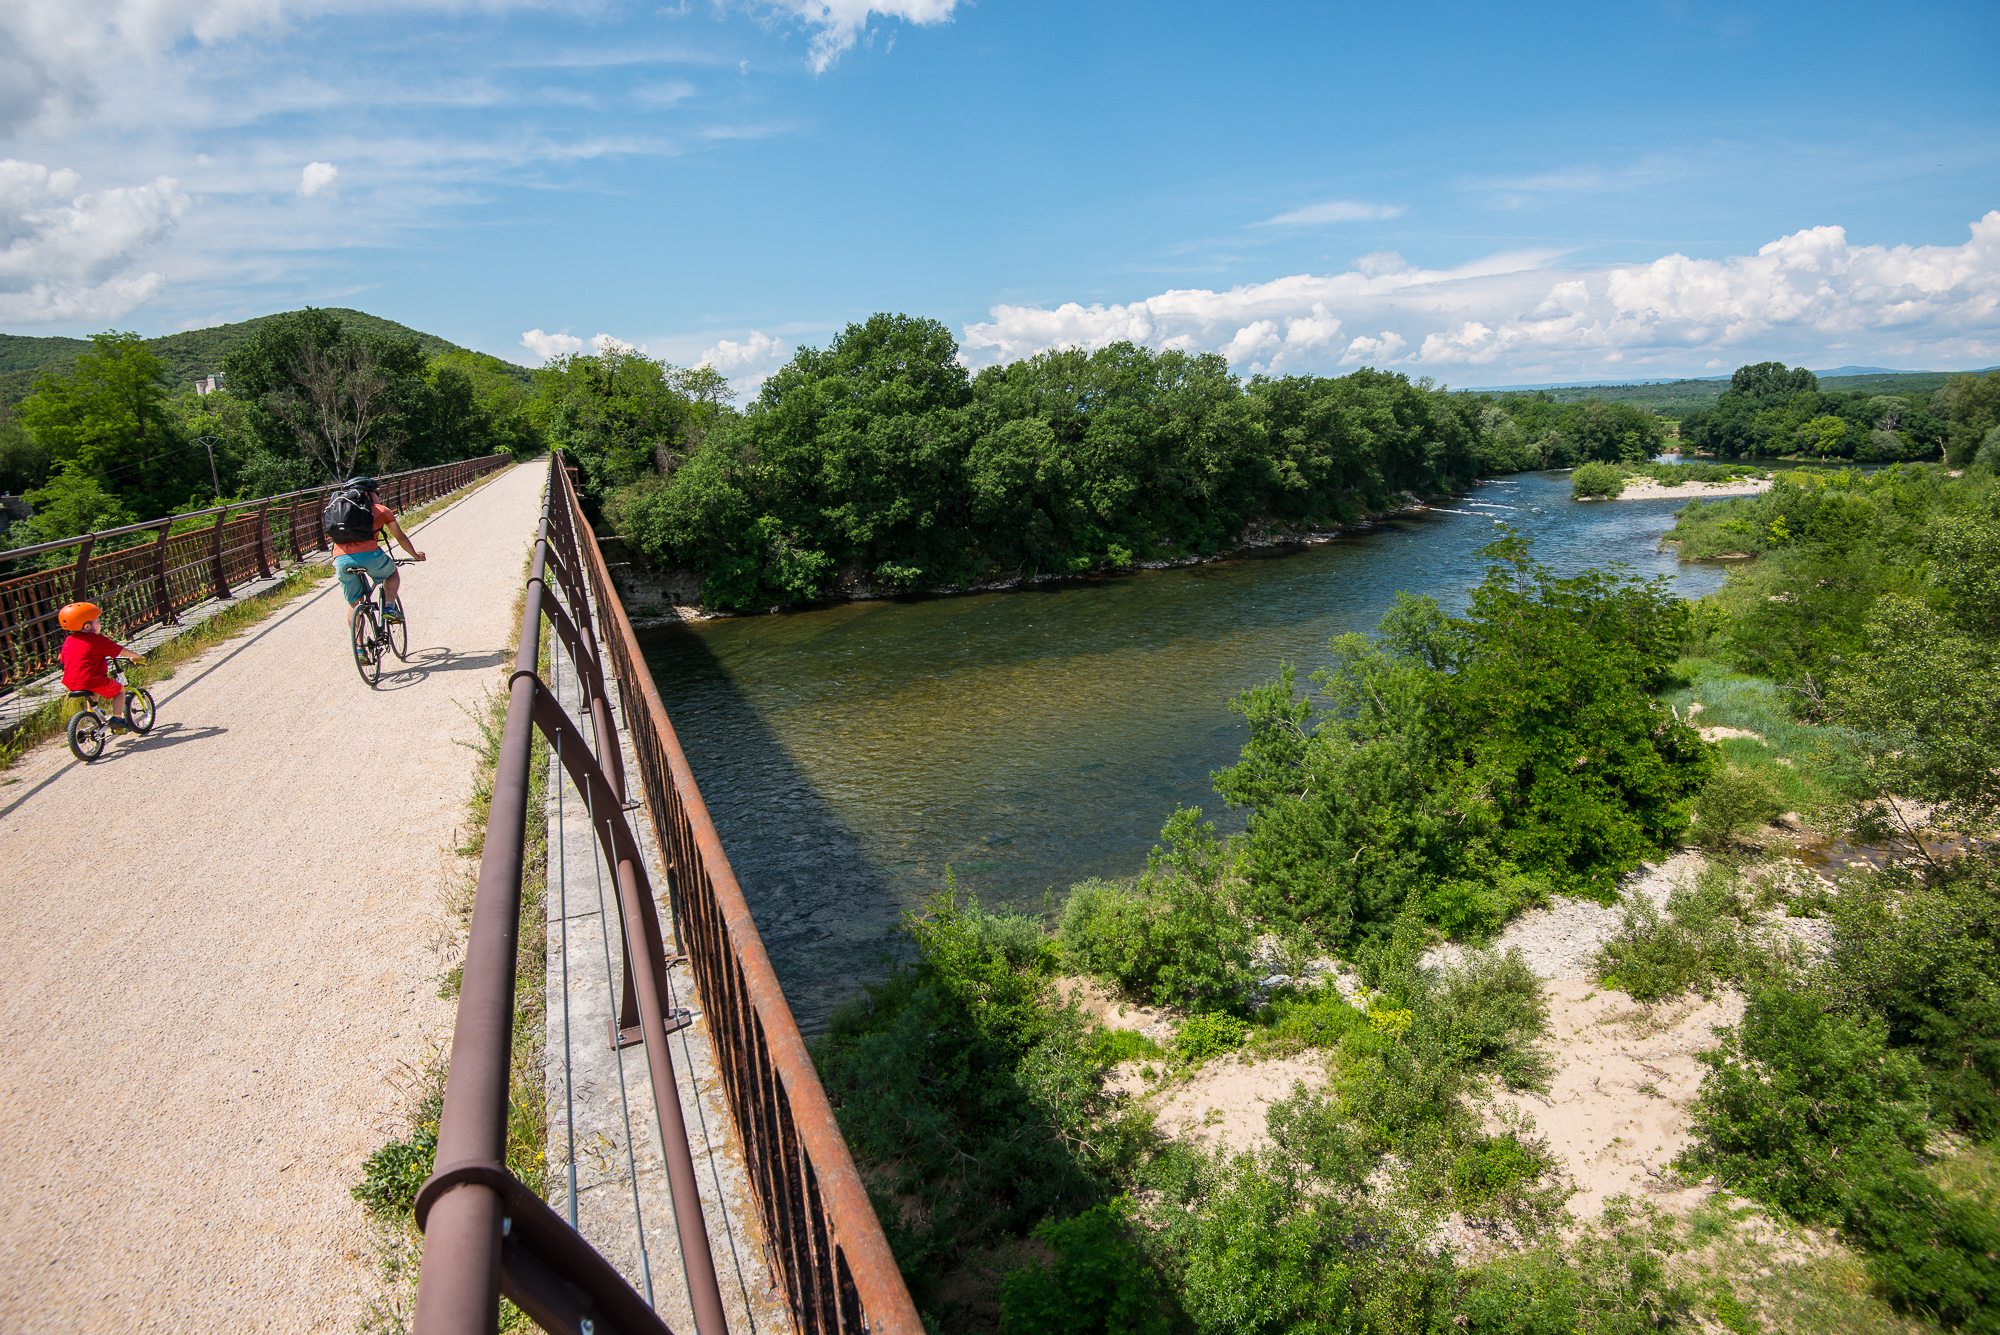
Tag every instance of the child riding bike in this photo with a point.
(85, 653)
(355, 520)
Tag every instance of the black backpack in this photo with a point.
(349, 517)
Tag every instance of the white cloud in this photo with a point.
(749, 363)
(545, 347)
(1513, 192)
(318, 178)
(71, 254)
(1335, 211)
(1806, 296)
(838, 24)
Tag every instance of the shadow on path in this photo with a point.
(423, 662)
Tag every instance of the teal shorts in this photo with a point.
(377, 564)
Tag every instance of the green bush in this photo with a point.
(1176, 937)
(1925, 955)
(1095, 1282)
(1318, 1018)
(1611, 1279)
(1489, 1015)
(1810, 1110)
(1111, 1046)
(1597, 480)
(969, 1095)
(1488, 1174)
(1696, 943)
(1205, 1035)
(1733, 803)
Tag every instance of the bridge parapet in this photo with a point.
(485, 1233)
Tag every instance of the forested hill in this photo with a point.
(1674, 397)
(195, 353)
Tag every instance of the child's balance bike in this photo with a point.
(91, 728)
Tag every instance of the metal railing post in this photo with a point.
(221, 581)
(82, 573)
(163, 594)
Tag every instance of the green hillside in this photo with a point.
(190, 355)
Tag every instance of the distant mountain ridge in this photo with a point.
(193, 353)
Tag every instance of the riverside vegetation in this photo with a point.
(1436, 780)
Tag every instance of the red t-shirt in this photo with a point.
(84, 655)
(384, 517)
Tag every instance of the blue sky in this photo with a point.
(1482, 194)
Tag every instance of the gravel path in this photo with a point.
(219, 956)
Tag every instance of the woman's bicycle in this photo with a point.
(91, 727)
(374, 630)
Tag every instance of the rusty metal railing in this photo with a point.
(147, 574)
(484, 1232)
(827, 1246)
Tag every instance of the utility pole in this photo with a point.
(208, 443)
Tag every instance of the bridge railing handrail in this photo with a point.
(484, 1232)
(826, 1243)
(142, 585)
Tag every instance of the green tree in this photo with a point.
(106, 420)
(24, 462)
(321, 393)
(1970, 407)
(1460, 766)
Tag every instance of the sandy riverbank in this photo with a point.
(1646, 489)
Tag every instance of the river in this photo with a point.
(852, 755)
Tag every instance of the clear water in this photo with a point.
(852, 755)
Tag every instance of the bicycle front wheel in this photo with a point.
(367, 652)
(139, 709)
(398, 632)
(86, 736)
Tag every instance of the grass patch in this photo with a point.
(1797, 763)
(1801, 1286)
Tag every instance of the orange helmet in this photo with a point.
(75, 616)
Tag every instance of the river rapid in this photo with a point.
(853, 756)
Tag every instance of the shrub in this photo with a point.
(1810, 1110)
(1597, 480)
(1095, 1282)
(1799, 1096)
(1319, 1018)
(1925, 955)
(1734, 802)
(1206, 1035)
(1695, 943)
(1175, 937)
(1612, 1279)
(1491, 1172)
(1488, 1015)
(393, 1174)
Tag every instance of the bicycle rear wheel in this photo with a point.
(86, 736)
(367, 649)
(139, 709)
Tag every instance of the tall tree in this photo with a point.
(106, 420)
(329, 395)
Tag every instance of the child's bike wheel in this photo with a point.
(367, 652)
(139, 709)
(86, 736)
